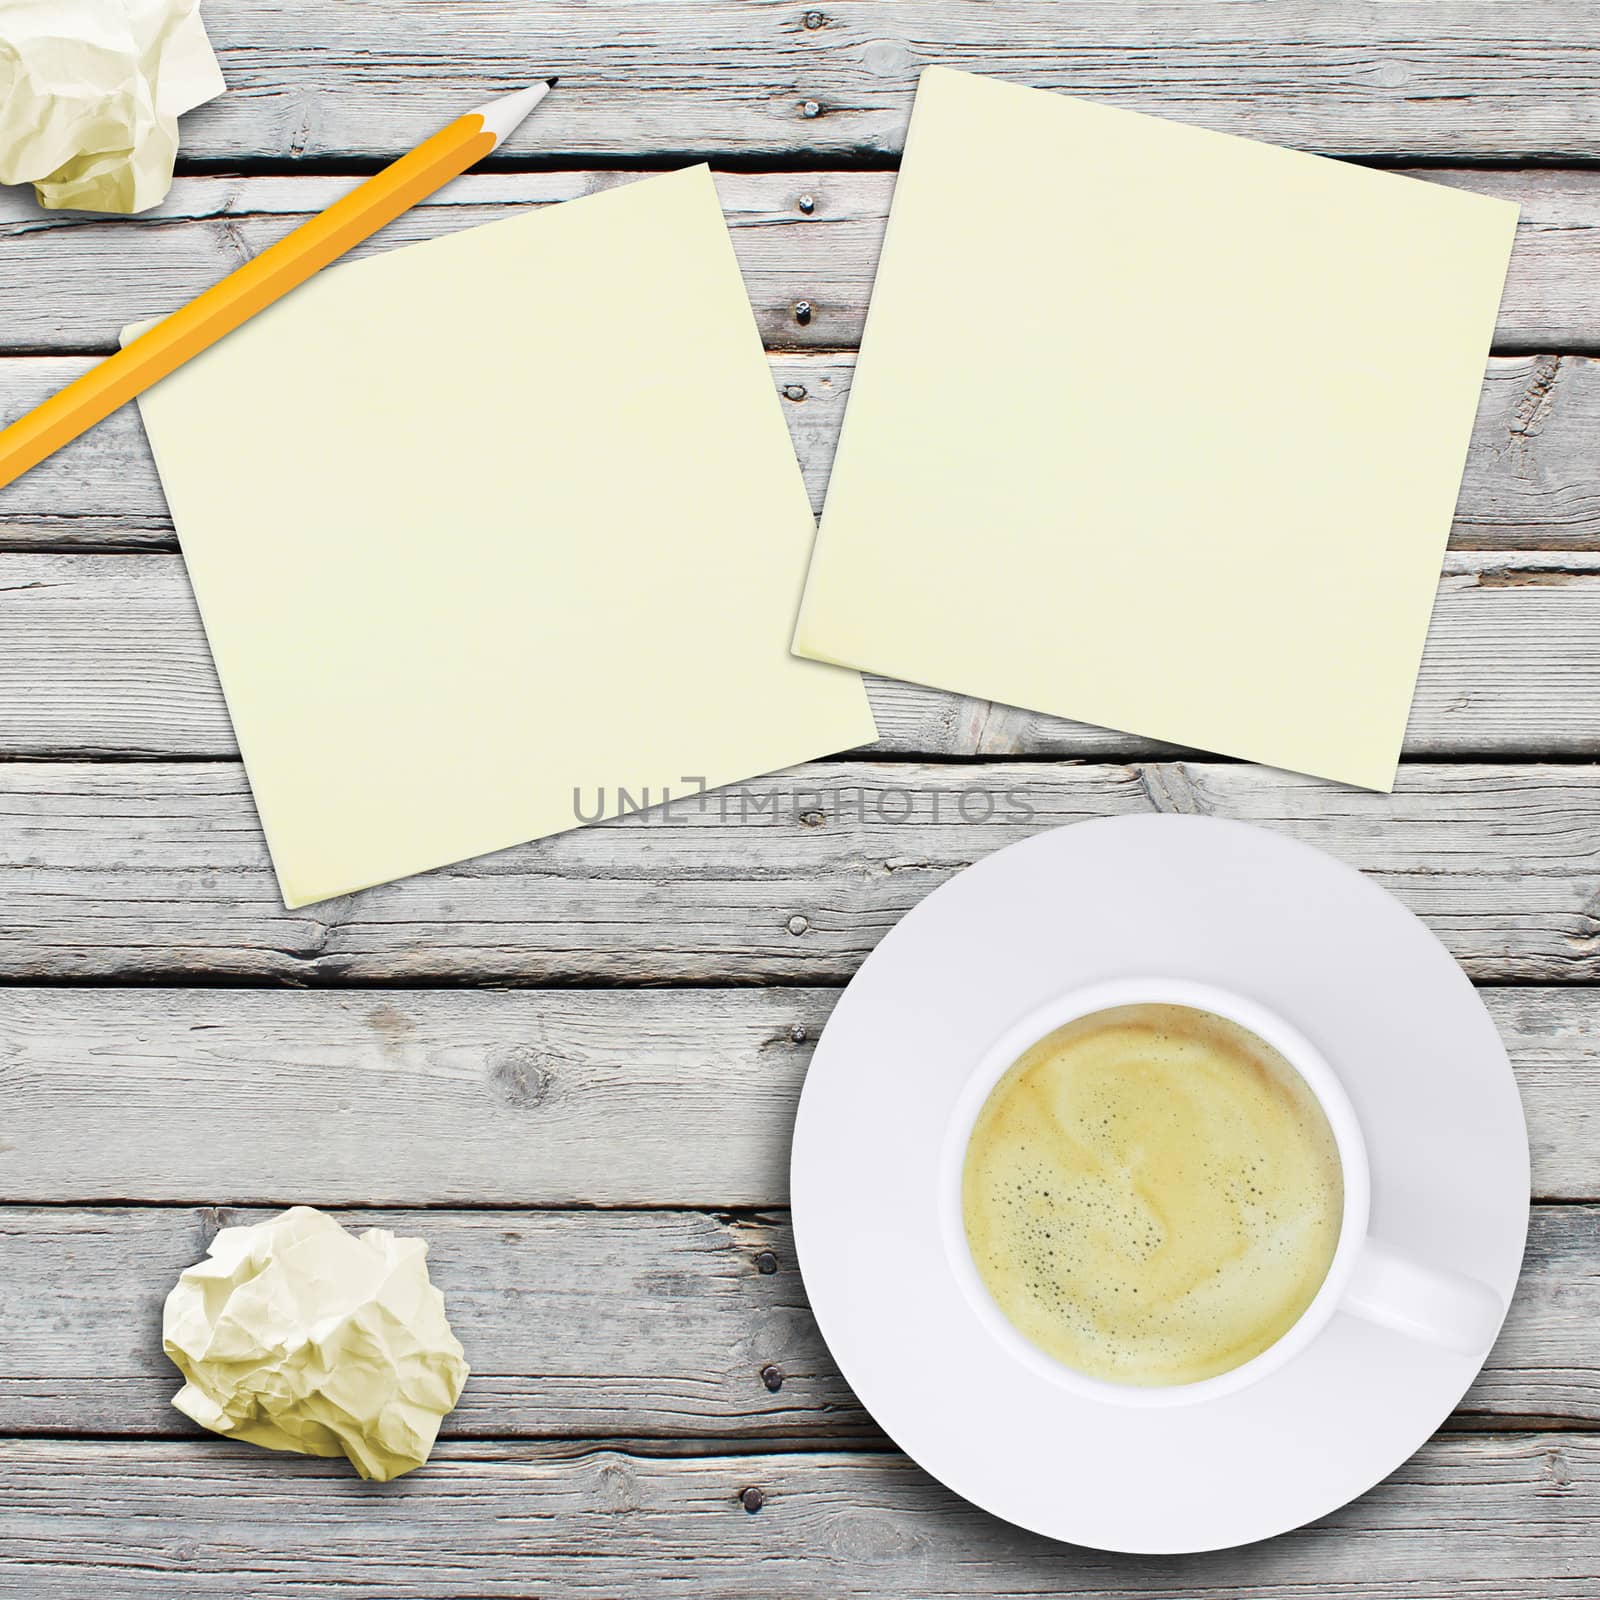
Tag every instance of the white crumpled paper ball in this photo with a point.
(297, 1335)
(90, 96)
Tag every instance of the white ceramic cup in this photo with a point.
(1365, 1278)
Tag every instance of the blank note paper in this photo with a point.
(1156, 428)
(487, 529)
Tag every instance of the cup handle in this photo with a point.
(1443, 1308)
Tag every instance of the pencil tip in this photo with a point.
(501, 117)
(552, 81)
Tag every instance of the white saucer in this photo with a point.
(1191, 898)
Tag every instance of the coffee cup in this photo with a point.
(1364, 1277)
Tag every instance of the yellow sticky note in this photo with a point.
(1156, 428)
(498, 533)
(296, 1335)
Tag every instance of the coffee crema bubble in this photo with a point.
(1152, 1195)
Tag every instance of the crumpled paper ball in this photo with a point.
(90, 96)
(297, 1335)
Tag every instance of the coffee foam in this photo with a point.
(1152, 1195)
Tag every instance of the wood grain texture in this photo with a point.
(1468, 1518)
(594, 1324)
(75, 280)
(1511, 669)
(534, 1097)
(576, 1323)
(104, 655)
(1446, 78)
(1532, 479)
(151, 871)
(656, 1325)
(544, 1097)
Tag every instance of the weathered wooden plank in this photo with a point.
(1532, 479)
(73, 281)
(585, 1324)
(1544, 1364)
(1503, 1514)
(550, 1097)
(104, 655)
(1554, 1044)
(1522, 487)
(576, 1323)
(1446, 79)
(101, 491)
(92, 275)
(543, 1097)
(1511, 669)
(157, 871)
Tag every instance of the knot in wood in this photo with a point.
(522, 1076)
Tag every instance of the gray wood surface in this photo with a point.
(1449, 79)
(157, 870)
(577, 1323)
(1532, 479)
(593, 1324)
(105, 655)
(1468, 1518)
(531, 1097)
(572, 1066)
(75, 281)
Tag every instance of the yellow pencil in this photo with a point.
(255, 285)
